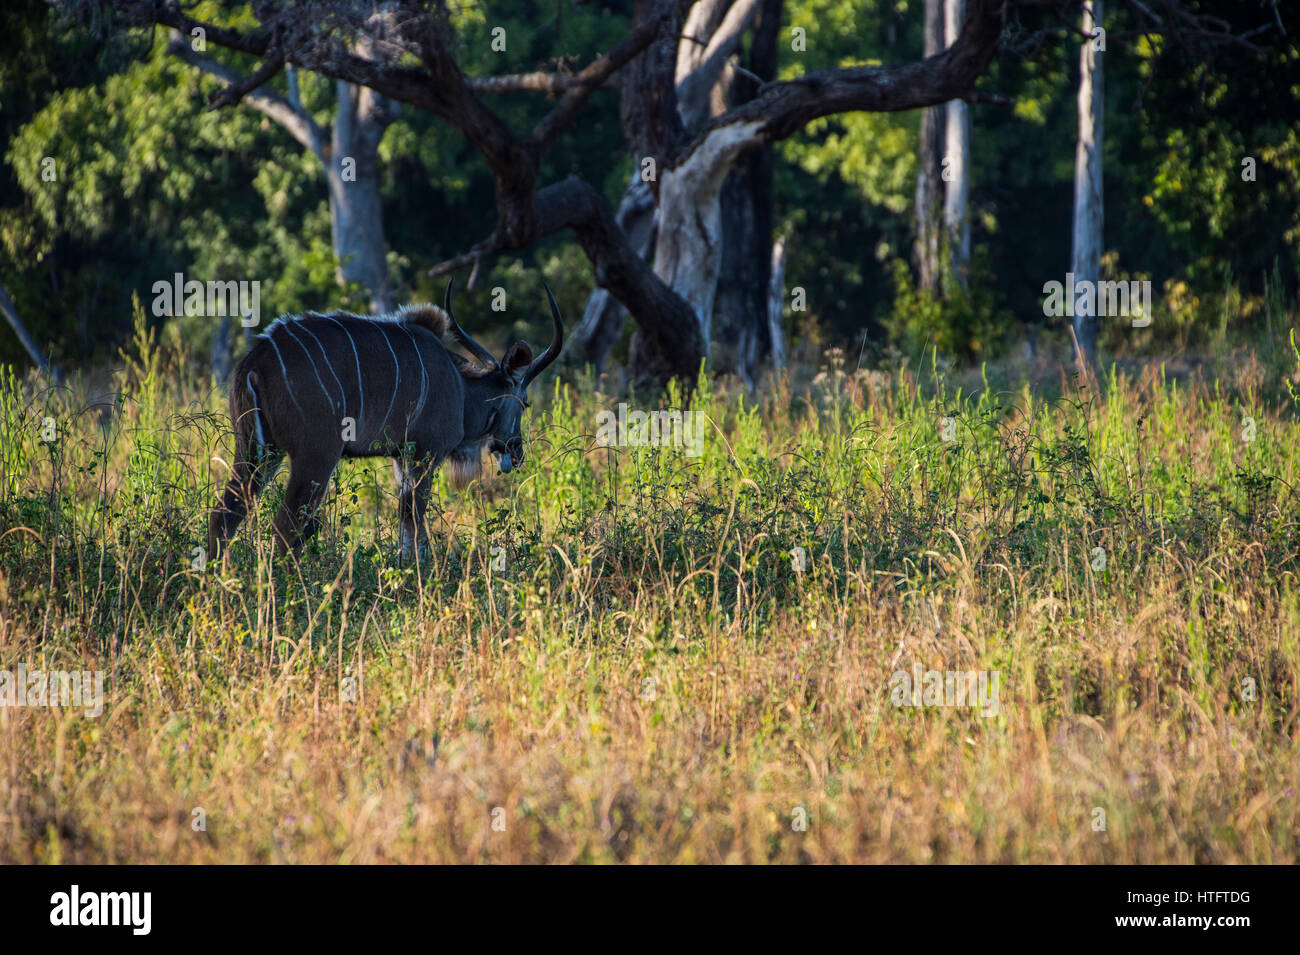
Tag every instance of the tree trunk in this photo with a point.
(688, 249)
(957, 161)
(743, 334)
(356, 210)
(688, 245)
(740, 308)
(776, 304)
(929, 182)
(653, 130)
(602, 319)
(1087, 234)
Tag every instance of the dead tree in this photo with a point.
(348, 152)
(25, 338)
(671, 302)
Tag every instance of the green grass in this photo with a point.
(644, 675)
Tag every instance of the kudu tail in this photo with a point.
(254, 464)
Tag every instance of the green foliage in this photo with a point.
(873, 153)
(1125, 564)
(1201, 198)
(967, 326)
(150, 182)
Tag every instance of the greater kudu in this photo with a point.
(319, 388)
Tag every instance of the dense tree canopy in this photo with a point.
(149, 181)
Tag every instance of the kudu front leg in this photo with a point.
(414, 482)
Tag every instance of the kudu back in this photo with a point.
(317, 388)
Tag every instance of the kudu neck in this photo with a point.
(482, 396)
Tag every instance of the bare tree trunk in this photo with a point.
(740, 307)
(688, 247)
(776, 304)
(709, 35)
(1087, 236)
(29, 344)
(653, 129)
(929, 182)
(956, 212)
(688, 250)
(743, 334)
(352, 171)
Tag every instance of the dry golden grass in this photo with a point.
(648, 678)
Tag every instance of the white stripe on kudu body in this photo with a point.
(397, 376)
(361, 394)
(287, 326)
(285, 373)
(343, 394)
(257, 414)
(424, 375)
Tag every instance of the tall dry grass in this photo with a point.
(613, 656)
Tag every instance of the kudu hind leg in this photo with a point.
(239, 497)
(296, 522)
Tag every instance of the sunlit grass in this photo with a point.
(613, 656)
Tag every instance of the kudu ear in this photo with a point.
(517, 359)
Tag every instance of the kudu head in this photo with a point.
(503, 385)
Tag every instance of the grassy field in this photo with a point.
(633, 654)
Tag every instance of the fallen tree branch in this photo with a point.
(24, 337)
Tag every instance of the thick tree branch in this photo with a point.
(783, 108)
(536, 82)
(694, 87)
(664, 318)
(574, 204)
(596, 74)
(295, 121)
